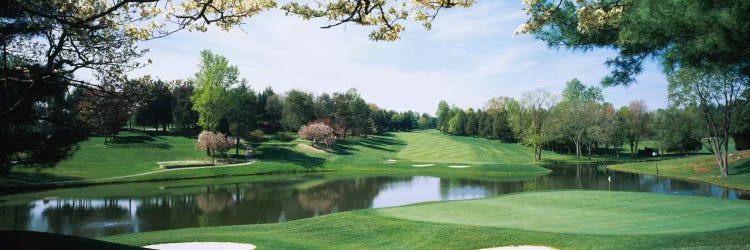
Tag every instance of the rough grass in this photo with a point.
(699, 168)
(380, 229)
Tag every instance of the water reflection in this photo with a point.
(249, 202)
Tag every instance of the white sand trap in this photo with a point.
(423, 165)
(202, 246)
(391, 160)
(459, 166)
(519, 248)
(310, 148)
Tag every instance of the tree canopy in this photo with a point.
(679, 33)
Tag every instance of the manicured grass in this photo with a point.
(431, 146)
(130, 153)
(585, 212)
(699, 168)
(628, 220)
(393, 153)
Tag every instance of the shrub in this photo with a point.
(257, 136)
(318, 132)
(214, 143)
(286, 136)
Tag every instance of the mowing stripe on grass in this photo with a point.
(585, 212)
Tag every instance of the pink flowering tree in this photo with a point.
(214, 144)
(318, 133)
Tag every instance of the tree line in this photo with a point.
(580, 122)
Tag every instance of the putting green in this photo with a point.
(585, 212)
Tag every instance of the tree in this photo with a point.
(156, 108)
(716, 91)
(298, 110)
(472, 123)
(361, 117)
(636, 119)
(57, 38)
(318, 133)
(678, 130)
(215, 144)
(741, 130)
(425, 122)
(496, 124)
(104, 112)
(608, 133)
(242, 113)
(535, 108)
(272, 113)
(600, 123)
(324, 107)
(213, 78)
(185, 118)
(700, 33)
(457, 124)
(576, 111)
(443, 115)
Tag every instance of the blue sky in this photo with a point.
(470, 56)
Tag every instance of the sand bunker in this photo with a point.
(423, 165)
(391, 160)
(519, 248)
(202, 246)
(459, 166)
(310, 148)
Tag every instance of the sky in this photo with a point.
(469, 56)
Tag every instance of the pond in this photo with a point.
(130, 208)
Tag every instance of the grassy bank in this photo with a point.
(699, 168)
(560, 219)
(130, 153)
(428, 153)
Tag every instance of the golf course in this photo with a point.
(558, 219)
(136, 157)
(519, 203)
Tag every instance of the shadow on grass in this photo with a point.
(140, 141)
(40, 240)
(24, 181)
(283, 154)
(741, 167)
(380, 143)
(132, 139)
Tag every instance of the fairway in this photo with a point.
(585, 212)
(431, 146)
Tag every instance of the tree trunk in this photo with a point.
(237, 146)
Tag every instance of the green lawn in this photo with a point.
(395, 153)
(130, 153)
(560, 219)
(431, 146)
(698, 168)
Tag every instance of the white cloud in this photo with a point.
(469, 57)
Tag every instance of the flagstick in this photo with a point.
(609, 187)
